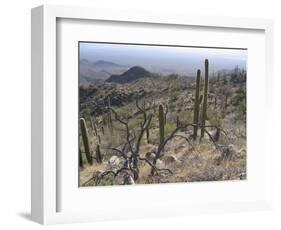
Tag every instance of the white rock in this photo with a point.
(128, 180)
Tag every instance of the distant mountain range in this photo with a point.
(107, 64)
(130, 75)
(99, 70)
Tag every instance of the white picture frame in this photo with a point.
(45, 195)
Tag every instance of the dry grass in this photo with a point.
(203, 162)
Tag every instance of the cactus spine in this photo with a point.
(161, 124)
(196, 105)
(205, 98)
(85, 137)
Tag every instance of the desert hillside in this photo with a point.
(138, 127)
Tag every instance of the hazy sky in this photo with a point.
(154, 58)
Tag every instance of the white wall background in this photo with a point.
(15, 112)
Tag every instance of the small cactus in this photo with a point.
(161, 124)
(196, 105)
(205, 98)
(215, 101)
(85, 138)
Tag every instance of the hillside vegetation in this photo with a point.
(143, 128)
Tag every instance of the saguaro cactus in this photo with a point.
(178, 121)
(147, 135)
(99, 139)
(109, 118)
(161, 124)
(80, 158)
(93, 124)
(200, 99)
(196, 105)
(147, 128)
(98, 154)
(85, 138)
(205, 99)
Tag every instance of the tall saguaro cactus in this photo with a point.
(196, 105)
(205, 99)
(85, 138)
(161, 124)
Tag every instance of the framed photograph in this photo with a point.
(141, 114)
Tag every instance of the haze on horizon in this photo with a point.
(163, 59)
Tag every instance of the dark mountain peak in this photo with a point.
(136, 70)
(132, 74)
